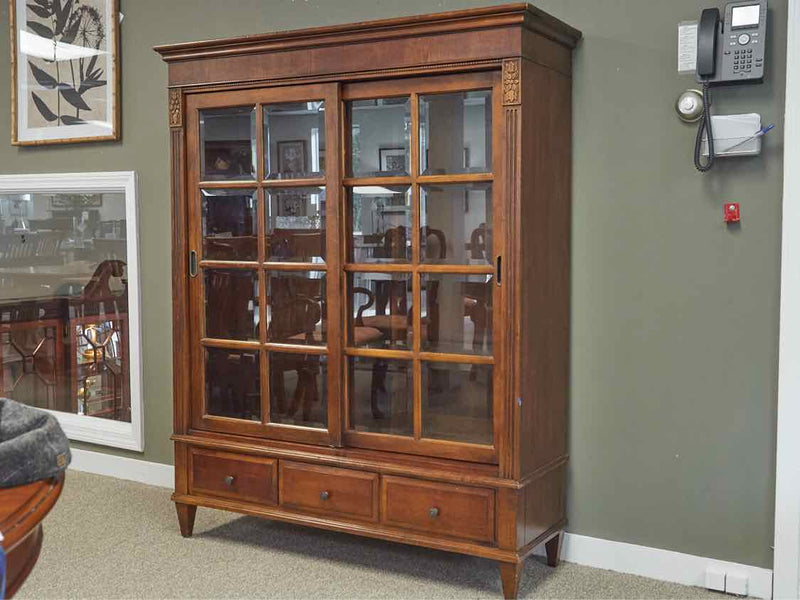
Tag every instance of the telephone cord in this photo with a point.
(705, 123)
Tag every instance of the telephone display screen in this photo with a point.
(745, 16)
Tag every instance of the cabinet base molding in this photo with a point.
(343, 526)
(371, 531)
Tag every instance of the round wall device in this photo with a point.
(689, 106)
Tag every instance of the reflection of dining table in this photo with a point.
(39, 280)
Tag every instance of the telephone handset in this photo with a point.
(728, 53)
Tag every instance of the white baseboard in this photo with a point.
(664, 565)
(122, 467)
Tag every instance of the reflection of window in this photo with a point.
(68, 295)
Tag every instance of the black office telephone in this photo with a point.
(728, 53)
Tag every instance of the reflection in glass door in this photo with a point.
(420, 270)
(264, 207)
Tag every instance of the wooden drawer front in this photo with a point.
(442, 508)
(329, 490)
(236, 476)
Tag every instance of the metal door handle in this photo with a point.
(192, 263)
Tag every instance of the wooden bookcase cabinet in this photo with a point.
(369, 337)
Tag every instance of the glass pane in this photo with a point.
(381, 221)
(381, 395)
(230, 227)
(233, 384)
(228, 143)
(294, 137)
(457, 402)
(64, 302)
(380, 309)
(231, 304)
(456, 224)
(298, 389)
(381, 129)
(296, 225)
(297, 308)
(456, 313)
(455, 133)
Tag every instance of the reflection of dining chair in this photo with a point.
(477, 242)
(478, 307)
(231, 393)
(363, 335)
(391, 294)
(296, 243)
(296, 309)
(232, 248)
(232, 292)
(395, 243)
(97, 297)
(437, 250)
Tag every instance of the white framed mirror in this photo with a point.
(70, 327)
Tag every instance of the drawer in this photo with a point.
(236, 476)
(328, 490)
(440, 508)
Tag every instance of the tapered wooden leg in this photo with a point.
(553, 549)
(186, 514)
(510, 573)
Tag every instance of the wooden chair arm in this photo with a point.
(370, 301)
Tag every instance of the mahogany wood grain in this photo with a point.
(443, 508)
(355, 527)
(543, 253)
(393, 463)
(22, 509)
(544, 502)
(497, 501)
(458, 36)
(326, 490)
(474, 453)
(553, 549)
(334, 167)
(241, 477)
(510, 574)
(186, 515)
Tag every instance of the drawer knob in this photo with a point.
(228, 479)
(433, 512)
(324, 495)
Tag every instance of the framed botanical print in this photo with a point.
(65, 71)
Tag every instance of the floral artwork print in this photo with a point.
(70, 85)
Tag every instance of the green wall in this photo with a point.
(675, 317)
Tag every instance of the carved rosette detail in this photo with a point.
(175, 108)
(511, 76)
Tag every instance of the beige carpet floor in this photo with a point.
(108, 538)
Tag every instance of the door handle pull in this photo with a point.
(192, 263)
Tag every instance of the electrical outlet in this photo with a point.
(715, 580)
(736, 583)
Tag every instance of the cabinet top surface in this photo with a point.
(520, 14)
